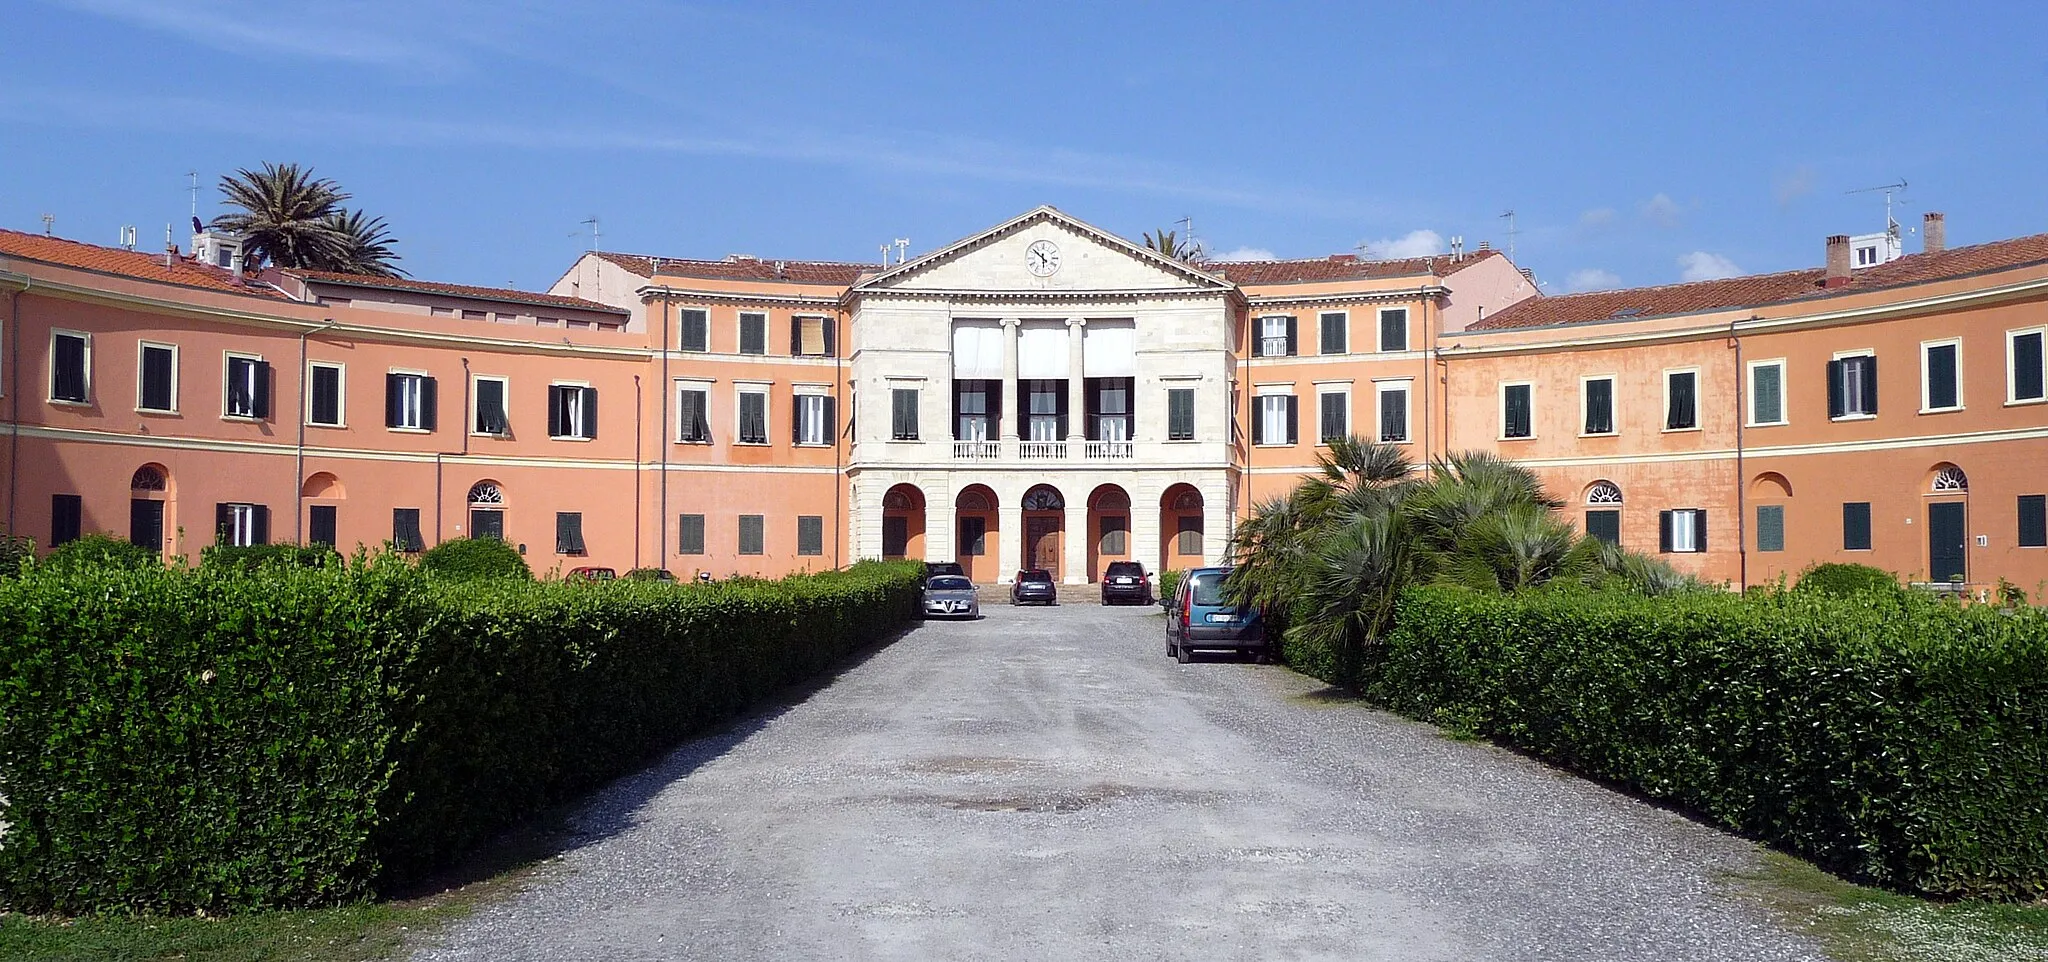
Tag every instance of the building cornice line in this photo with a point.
(649, 291)
(1346, 297)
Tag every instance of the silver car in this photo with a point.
(950, 596)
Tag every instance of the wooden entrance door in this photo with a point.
(487, 523)
(146, 523)
(1042, 543)
(1945, 550)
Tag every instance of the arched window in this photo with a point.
(486, 493)
(1044, 498)
(1951, 478)
(973, 500)
(1603, 492)
(147, 478)
(898, 499)
(1188, 500)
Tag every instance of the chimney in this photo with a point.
(1838, 261)
(1934, 232)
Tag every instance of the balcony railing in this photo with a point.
(1042, 450)
(977, 450)
(1110, 450)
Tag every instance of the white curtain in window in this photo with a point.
(1110, 349)
(1041, 350)
(978, 350)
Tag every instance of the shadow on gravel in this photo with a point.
(609, 809)
(1330, 695)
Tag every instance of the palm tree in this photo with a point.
(365, 246)
(1166, 244)
(287, 216)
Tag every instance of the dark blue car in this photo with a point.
(1198, 618)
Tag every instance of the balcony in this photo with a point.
(1110, 450)
(1042, 450)
(977, 450)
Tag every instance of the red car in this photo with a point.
(588, 573)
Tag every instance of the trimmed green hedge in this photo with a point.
(469, 558)
(203, 739)
(101, 551)
(1169, 582)
(254, 556)
(1842, 579)
(1895, 739)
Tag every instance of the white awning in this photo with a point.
(978, 350)
(1110, 349)
(1042, 350)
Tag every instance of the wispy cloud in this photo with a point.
(1706, 266)
(1592, 279)
(1662, 211)
(1597, 218)
(1244, 254)
(263, 30)
(1415, 243)
(1791, 186)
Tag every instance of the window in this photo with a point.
(247, 394)
(1516, 417)
(324, 395)
(1770, 527)
(70, 367)
(1940, 376)
(903, 414)
(1276, 336)
(976, 403)
(812, 337)
(696, 329)
(569, 532)
(753, 333)
(1866, 256)
(1109, 408)
(320, 524)
(1394, 329)
(489, 415)
(1604, 524)
(1274, 421)
(572, 412)
(693, 413)
(1180, 414)
(1333, 326)
(1767, 392)
(753, 532)
(1188, 536)
(1682, 531)
(405, 530)
(156, 378)
(67, 518)
(1045, 406)
(753, 415)
(1681, 400)
(1393, 403)
(973, 536)
(810, 534)
(1115, 535)
(1333, 415)
(812, 425)
(409, 402)
(2033, 511)
(1596, 401)
(241, 524)
(1856, 526)
(895, 536)
(1852, 386)
(690, 534)
(2025, 371)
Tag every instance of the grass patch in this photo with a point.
(1860, 924)
(351, 933)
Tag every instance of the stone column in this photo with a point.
(1077, 535)
(1145, 542)
(1007, 430)
(1215, 520)
(1010, 537)
(866, 520)
(939, 515)
(1077, 388)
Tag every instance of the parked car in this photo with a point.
(589, 573)
(1125, 582)
(933, 569)
(1034, 587)
(651, 574)
(950, 596)
(1198, 617)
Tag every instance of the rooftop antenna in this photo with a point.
(193, 175)
(590, 222)
(1364, 250)
(902, 246)
(1187, 224)
(128, 236)
(49, 224)
(1509, 216)
(1891, 226)
(885, 255)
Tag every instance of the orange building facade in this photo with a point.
(1040, 394)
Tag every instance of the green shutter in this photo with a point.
(1770, 527)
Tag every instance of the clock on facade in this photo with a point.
(1042, 257)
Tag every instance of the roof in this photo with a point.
(1757, 290)
(1341, 267)
(741, 267)
(453, 290)
(120, 261)
(1049, 213)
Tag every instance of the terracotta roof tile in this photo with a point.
(1760, 289)
(454, 290)
(742, 268)
(122, 262)
(1340, 267)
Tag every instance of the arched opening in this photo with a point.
(322, 520)
(976, 533)
(322, 484)
(1183, 541)
(149, 501)
(1770, 484)
(1603, 511)
(903, 522)
(1769, 493)
(1109, 528)
(487, 510)
(1948, 515)
(1045, 522)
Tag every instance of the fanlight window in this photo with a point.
(147, 478)
(1951, 478)
(1112, 499)
(899, 500)
(1603, 492)
(1043, 499)
(973, 501)
(1188, 501)
(486, 493)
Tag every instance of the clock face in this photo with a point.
(1042, 257)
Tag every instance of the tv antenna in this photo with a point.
(1890, 226)
(193, 176)
(590, 222)
(1509, 216)
(49, 224)
(902, 248)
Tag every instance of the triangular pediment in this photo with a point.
(1001, 259)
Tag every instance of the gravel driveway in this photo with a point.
(1047, 784)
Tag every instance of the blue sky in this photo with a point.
(1639, 145)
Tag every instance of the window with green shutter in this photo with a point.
(1856, 526)
(753, 534)
(1332, 326)
(1180, 414)
(1767, 393)
(810, 534)
(1770, 527)
(903, 414)
(2033, 511)
(690, 534)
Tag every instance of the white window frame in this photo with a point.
(227, 367)
(1684, 526)
(142, 349)
(1379, 342)
(575, 430)
(1281, 320)
(476, 399)
(820, 391)
(1380, 388)
(680, 313)
(419, 410)
(740, 331)
(707, 388)
(1334, 387)
(1259, 411)
(2012, 383)
(1843, 356)
(87, 361)
(1664, 415)
(1501, 411)
(761, 388)
(1345, 324)
(241, 527)
(1613, 405)
(340, 394)
(1926, 389)
(1749, 390)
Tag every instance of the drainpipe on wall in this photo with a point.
(661, 545)
(638, 414)
(14, 407)
(299, 459)
(1741, 487)
(839, 451)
